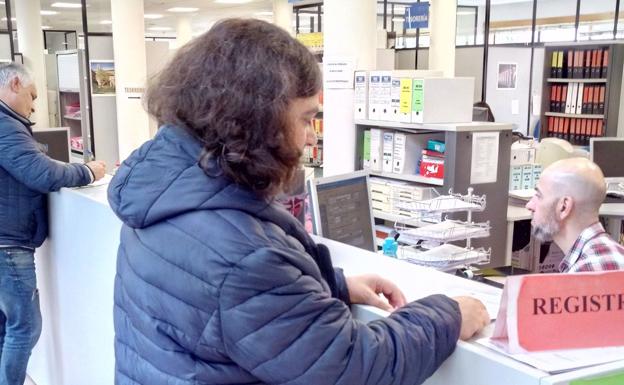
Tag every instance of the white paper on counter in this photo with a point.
(556, 361)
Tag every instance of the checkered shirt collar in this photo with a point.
(585, 236)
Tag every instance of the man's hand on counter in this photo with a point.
(98, 168)
(474, 316)
(365, 290)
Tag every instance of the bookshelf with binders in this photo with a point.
(414, 133)
(313, 155)
(581, 91)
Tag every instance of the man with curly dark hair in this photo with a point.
(217, 283)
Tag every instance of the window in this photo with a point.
(470, 22)
(596, 20)
(555, 20)
(510, 22)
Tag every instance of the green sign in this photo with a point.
(614, 379)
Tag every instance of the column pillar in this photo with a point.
(130, 74)
(345, 37)
(442, 20)
(30, 38)
(184, 31)
(283, 15)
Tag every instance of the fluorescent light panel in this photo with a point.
(264, 13)
(152, 16)
(45, 12)
(232, 1)
(183, 9)
(106, 22)
(159, 28)
(66, 5)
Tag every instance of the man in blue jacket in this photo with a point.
(26, 175)
(216, 283)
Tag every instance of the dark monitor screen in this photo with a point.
(54, 142)
(342, 210)
(608, 154)
(480, 114)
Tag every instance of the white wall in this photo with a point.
(157, 55)
(501, 101)
(5, 47)
(536, 88)
(469, 62)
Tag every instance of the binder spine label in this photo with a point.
(418, 94)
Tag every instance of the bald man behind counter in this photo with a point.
(565, 210)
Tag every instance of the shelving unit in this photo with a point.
(410, 178)
(458, 138)
(557, 80)
(581, 116)
(580, 67)
(72, 101)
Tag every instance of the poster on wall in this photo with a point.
(102, 77)
(507, 76)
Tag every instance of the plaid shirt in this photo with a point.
(593, 250)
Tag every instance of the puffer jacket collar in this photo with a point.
(10, 112)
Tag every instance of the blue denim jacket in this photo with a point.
(26, 175)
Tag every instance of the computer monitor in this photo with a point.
(55, 142)
(341, 209)
(608, 154)
(480, 114)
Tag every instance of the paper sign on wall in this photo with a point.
(338, 72)
(484, 163)
(561, 311)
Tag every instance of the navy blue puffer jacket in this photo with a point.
(216, 286)
(26, 175)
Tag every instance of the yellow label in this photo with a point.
(311, 40)
(405, 101)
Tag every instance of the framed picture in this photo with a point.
(507, 76)
(102, 77)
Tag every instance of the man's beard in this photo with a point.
(546, 231)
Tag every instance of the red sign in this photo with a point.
(562, 311)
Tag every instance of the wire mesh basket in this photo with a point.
(446, 204)
(445, 257)
(446, 231)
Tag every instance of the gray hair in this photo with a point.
(10, 71)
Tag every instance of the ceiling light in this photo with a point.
(66, 5)
(46, 27)
(398, 19)
(232, 1)
(5, 19)
(106, 22)
(264, 13)
(159, 28)
(152, 16)
(183, 9)
(45, 12)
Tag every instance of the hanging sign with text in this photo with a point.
(417, 16)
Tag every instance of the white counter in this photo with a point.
(76, 269)
(75, 272)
